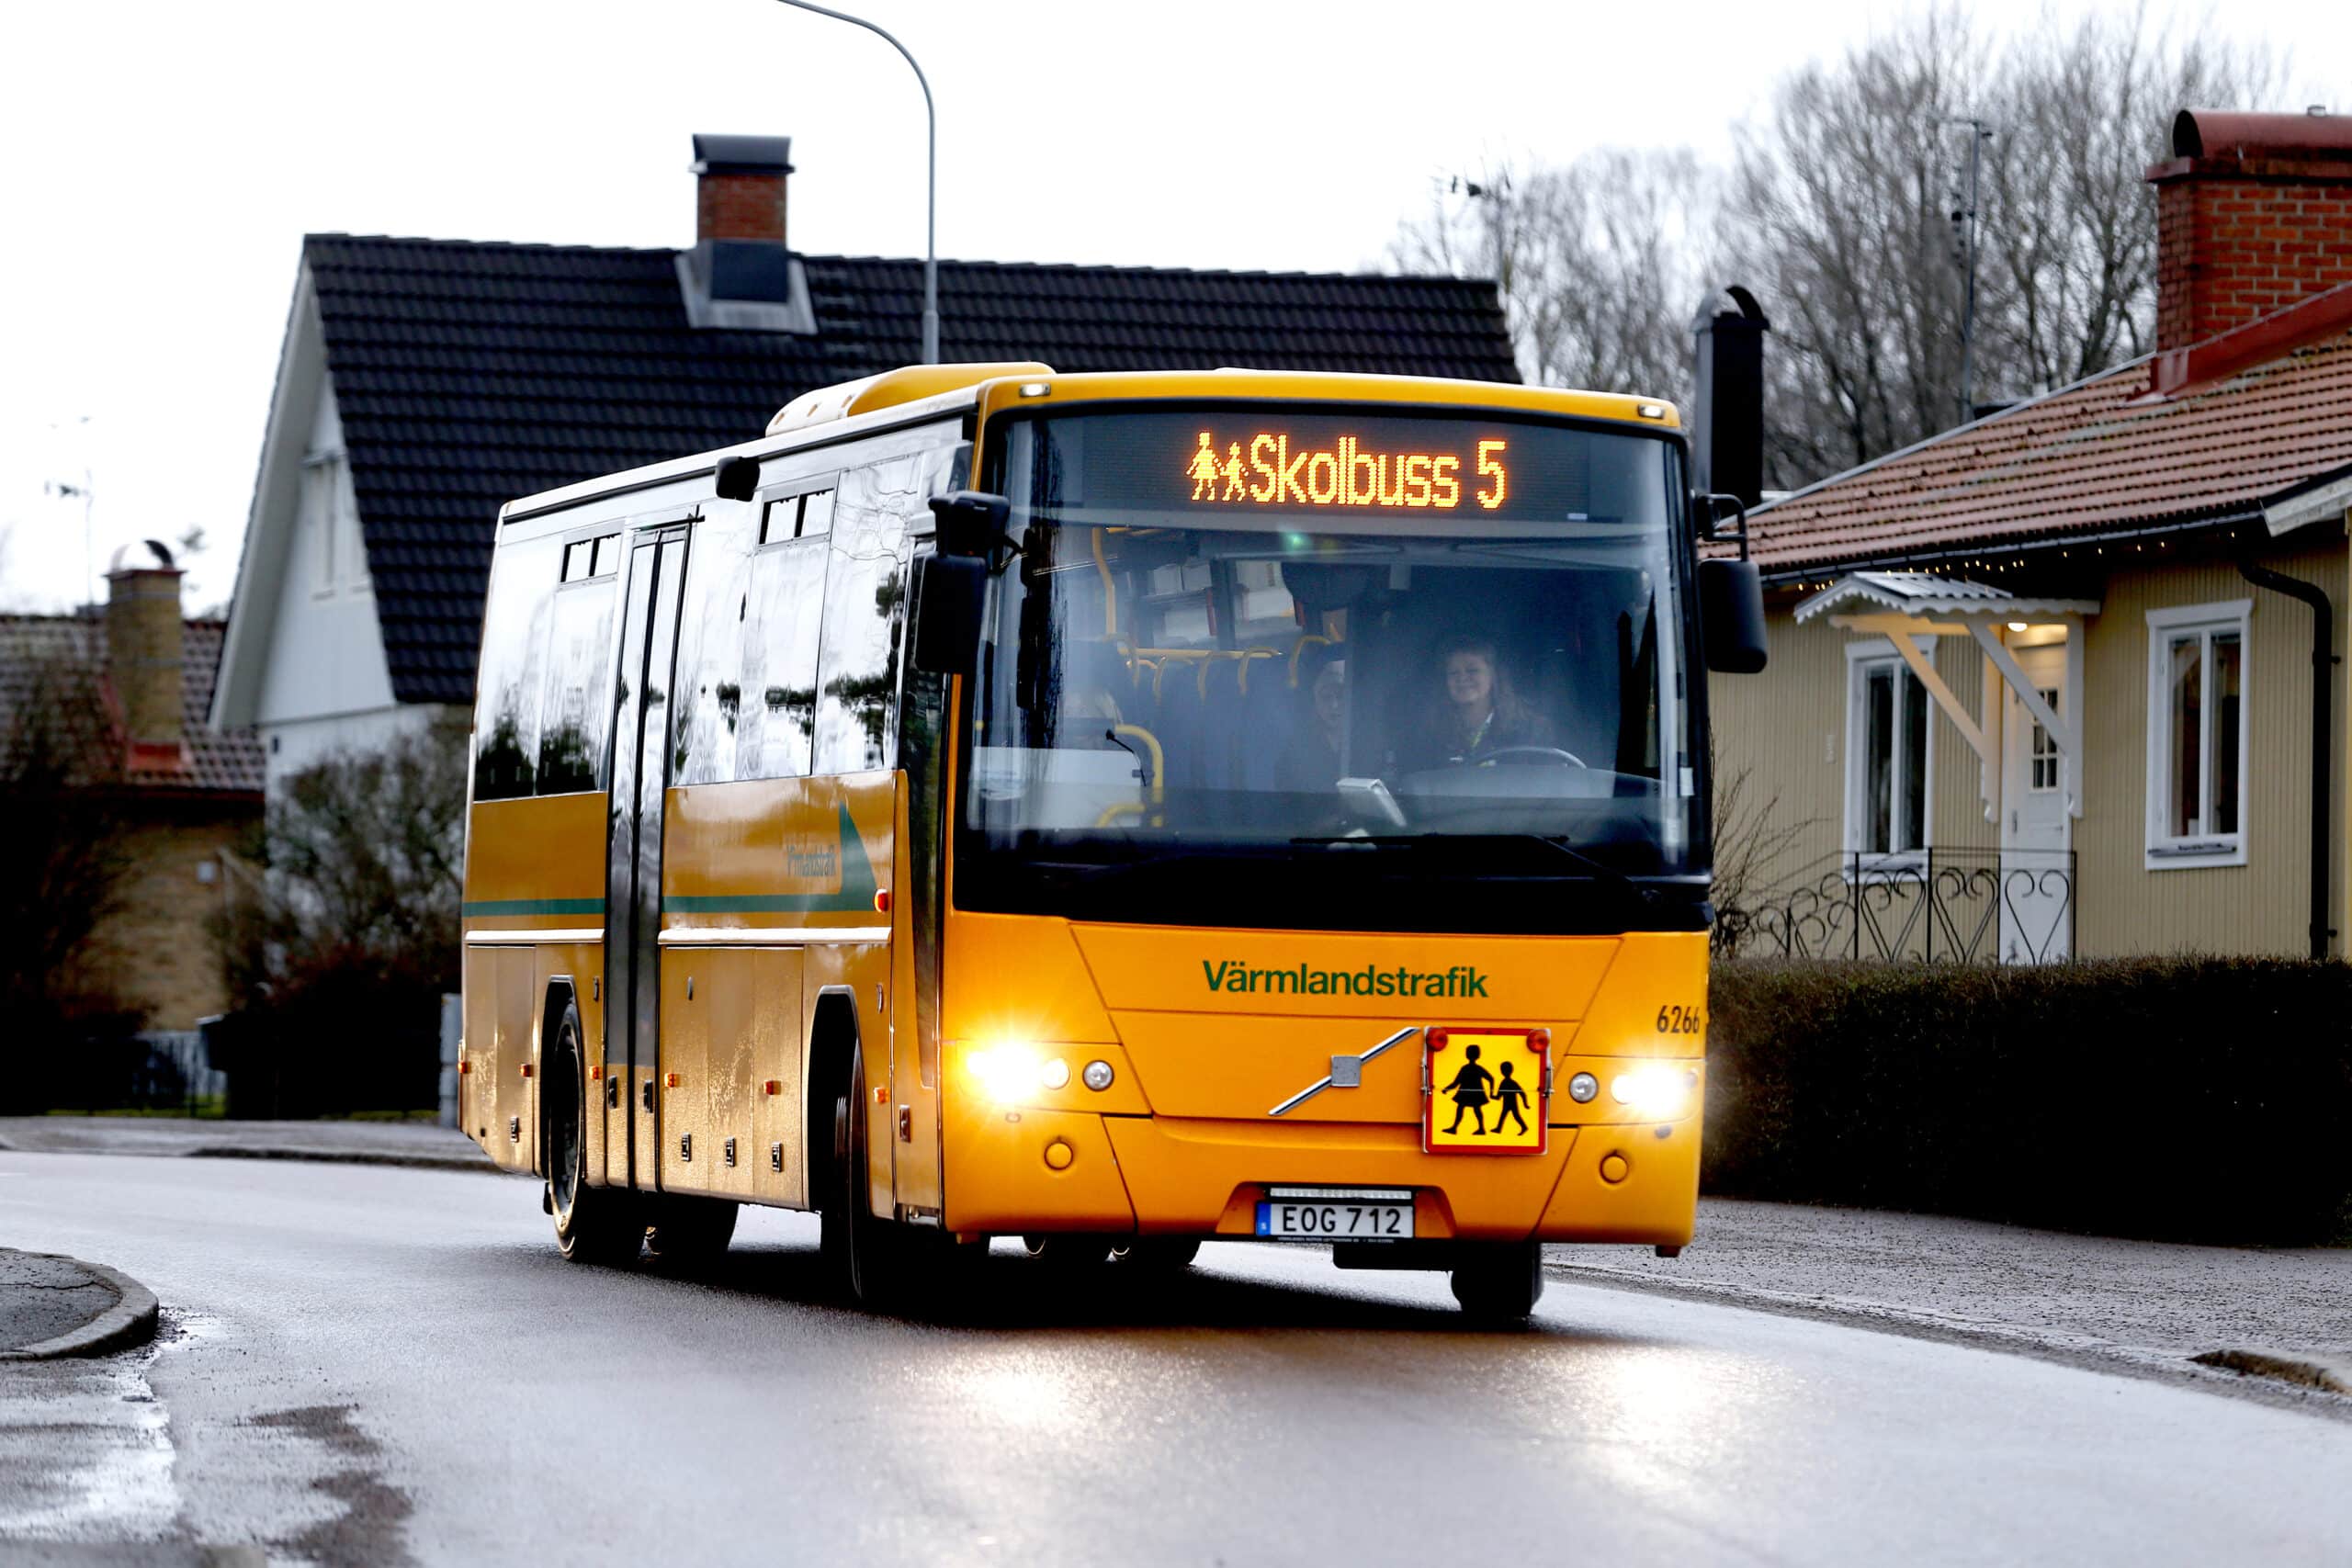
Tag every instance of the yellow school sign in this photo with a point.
(1483, 1090)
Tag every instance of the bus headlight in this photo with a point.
(1010, 1075)
(1658, 1092)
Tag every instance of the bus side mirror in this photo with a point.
(1730, 615)
(950, 592)
(972, 522)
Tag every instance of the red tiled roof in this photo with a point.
(35, 649)
(2100, 456)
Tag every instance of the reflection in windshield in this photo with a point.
(1274, 679)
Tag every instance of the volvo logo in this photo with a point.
(1347, 1072)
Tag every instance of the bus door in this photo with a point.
(633, 877)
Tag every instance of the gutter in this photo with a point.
(2323, 726)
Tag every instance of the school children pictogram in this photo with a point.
(1484, 1091)
(1205, 470)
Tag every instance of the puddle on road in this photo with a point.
(88, 1450)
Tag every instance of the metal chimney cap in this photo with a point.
(742, 154)
(117, 565)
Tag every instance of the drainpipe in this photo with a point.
(2322, 715)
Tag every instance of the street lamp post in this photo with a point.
(931, 214)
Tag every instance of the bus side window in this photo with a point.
(706, 743)
(865, 595)
(511, 684)
(576, 704)
(780, 613)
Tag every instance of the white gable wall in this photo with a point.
(304, 661)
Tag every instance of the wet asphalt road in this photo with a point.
(365, 1365)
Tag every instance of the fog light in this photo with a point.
(1098, 1075)
(1582, 1088)
(1657, 1092)
(1054, 1074)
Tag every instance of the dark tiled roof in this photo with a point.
(44, 656)
(468, 374)
(2104, 455)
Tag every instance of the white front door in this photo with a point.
(2036, 881)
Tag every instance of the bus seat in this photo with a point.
(1265, 715)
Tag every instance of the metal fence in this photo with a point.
(1935, 906)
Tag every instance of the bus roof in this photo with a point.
(917, 392)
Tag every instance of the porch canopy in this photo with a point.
(1903, 605)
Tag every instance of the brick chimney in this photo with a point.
(143, 656)
(2253, 213)
(740, 274)
(739, 187)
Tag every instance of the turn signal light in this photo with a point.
(881, 900)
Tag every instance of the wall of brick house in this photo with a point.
(159, 949)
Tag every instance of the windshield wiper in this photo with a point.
(1597, 868)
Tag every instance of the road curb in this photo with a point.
(130, 1321)
(2266, 1385)
(347, 1156)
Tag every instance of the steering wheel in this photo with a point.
(1543, 753)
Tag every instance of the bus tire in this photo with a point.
(1499, 1284)
(689, 1233)
(874, 1256)
(1160, 1254)
(592, 1224)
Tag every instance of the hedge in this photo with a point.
(2203, 1100)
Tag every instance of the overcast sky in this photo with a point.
(160, 163)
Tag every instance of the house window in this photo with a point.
(2042, 753)
(2197, 742)
(1887, 754)
(338, 555)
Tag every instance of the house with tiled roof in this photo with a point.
(422, 384)
(2064, 680)
(112, 703)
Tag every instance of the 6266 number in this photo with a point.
(1679, 1021)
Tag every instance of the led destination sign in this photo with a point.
(1270, 460)
(1343, 473)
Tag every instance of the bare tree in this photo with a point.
(364, 856)
(63, 868)
(2080, 113)
(1842, 211)
(1600, 261)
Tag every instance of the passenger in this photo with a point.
(1310, 761)
(1481, 715)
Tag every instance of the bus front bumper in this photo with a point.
(1173, 1176)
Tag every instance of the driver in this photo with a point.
(1481, 715)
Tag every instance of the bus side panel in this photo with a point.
(730, 1026)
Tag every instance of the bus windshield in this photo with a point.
(1268, 630)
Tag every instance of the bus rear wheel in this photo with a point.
(1499, 1284)
(592, 1224)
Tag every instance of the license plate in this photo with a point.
(1335, 1213)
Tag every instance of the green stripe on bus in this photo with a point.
(532, 907)
(769, 904)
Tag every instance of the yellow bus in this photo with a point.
(1110, 810)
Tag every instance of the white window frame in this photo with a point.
(1861, 655)
(2165, 852)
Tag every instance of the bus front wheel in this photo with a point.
(1499, 1284)
(872, 1255)
(592, 1224)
